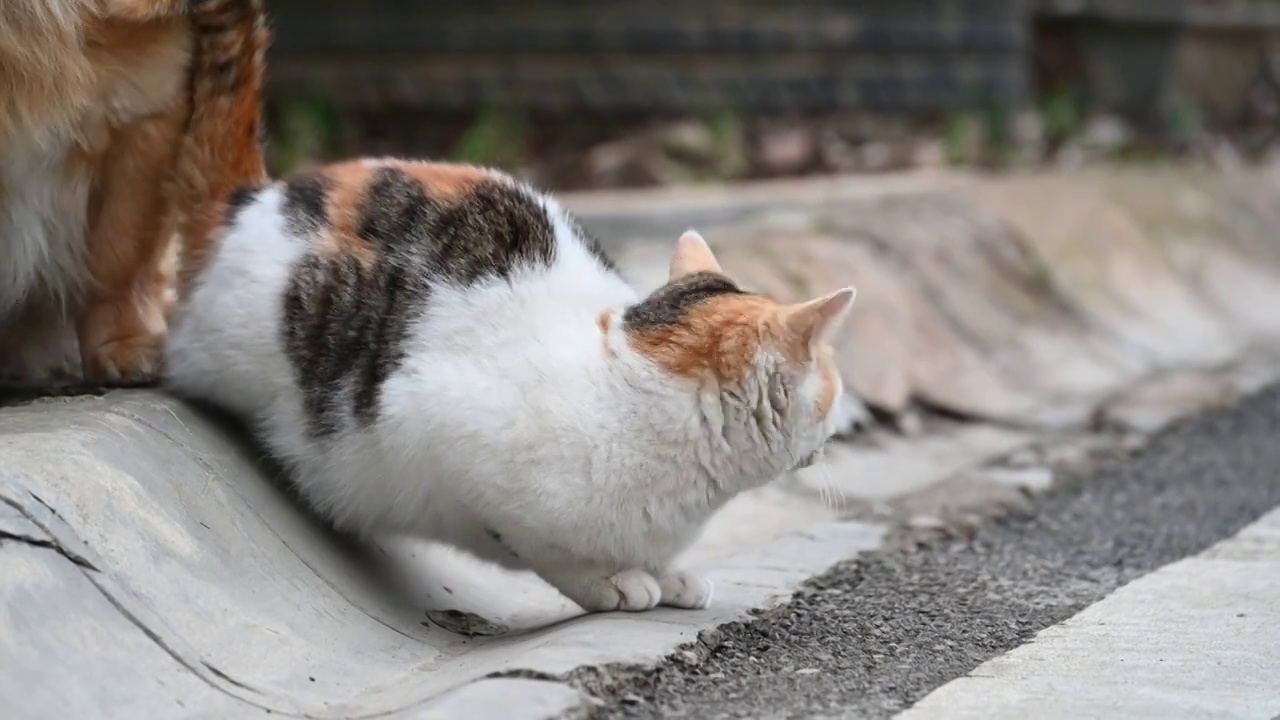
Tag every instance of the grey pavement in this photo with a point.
(1194, 639)
(876, 635)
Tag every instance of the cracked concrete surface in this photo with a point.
(142, 543)
(151, 566)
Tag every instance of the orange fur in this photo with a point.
(721, 337)
(103, 99)
(99, 88)
(222, 149)
(718, 339)
(443, 182)
(123, 326)
(348, 181)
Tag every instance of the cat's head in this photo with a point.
(767, 383)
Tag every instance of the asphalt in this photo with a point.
(874, 635)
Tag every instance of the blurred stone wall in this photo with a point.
(1162, 62)
(657, 55)
(570, 87)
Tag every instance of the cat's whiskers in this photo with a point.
(828, 491)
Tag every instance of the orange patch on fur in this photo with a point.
(348, 182)
(719, 338)
(605, 323)
(444, 182)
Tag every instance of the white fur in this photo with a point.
(42, 221)
(42, 251)
(509, 431)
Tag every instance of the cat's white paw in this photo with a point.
(629, 591)
(636, 589)
(687, 590)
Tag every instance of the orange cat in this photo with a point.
(100, 102)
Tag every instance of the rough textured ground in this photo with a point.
(998, 317)
(873, 636)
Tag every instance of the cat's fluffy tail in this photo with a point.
(222, 149)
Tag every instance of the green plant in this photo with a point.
(308, 128)
(1183, 120)
(1063, 114)
(727, 145)
(495, 138)
(998, 133)
(958, 140)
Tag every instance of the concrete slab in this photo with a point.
(1153, 404)
(497, 699)
(897, 466)
(1195, 639)
(142, 541)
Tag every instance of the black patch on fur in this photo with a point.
(240, 198)
(305, 206)
(320, 305)
(492, 231)
(669, 304)
(398, 297)
(394, 211)
(346, 320)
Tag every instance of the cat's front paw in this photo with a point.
(632, 591)
(629, 591)
(683, 589)
(122, 342)
(127, 362)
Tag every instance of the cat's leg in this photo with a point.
(683, 589)
(123, 325)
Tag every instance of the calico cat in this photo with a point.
(440, 351)
(95, 103)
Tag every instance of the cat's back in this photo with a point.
(337, 277)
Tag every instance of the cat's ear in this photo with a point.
(692, 255)
(814, 322)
